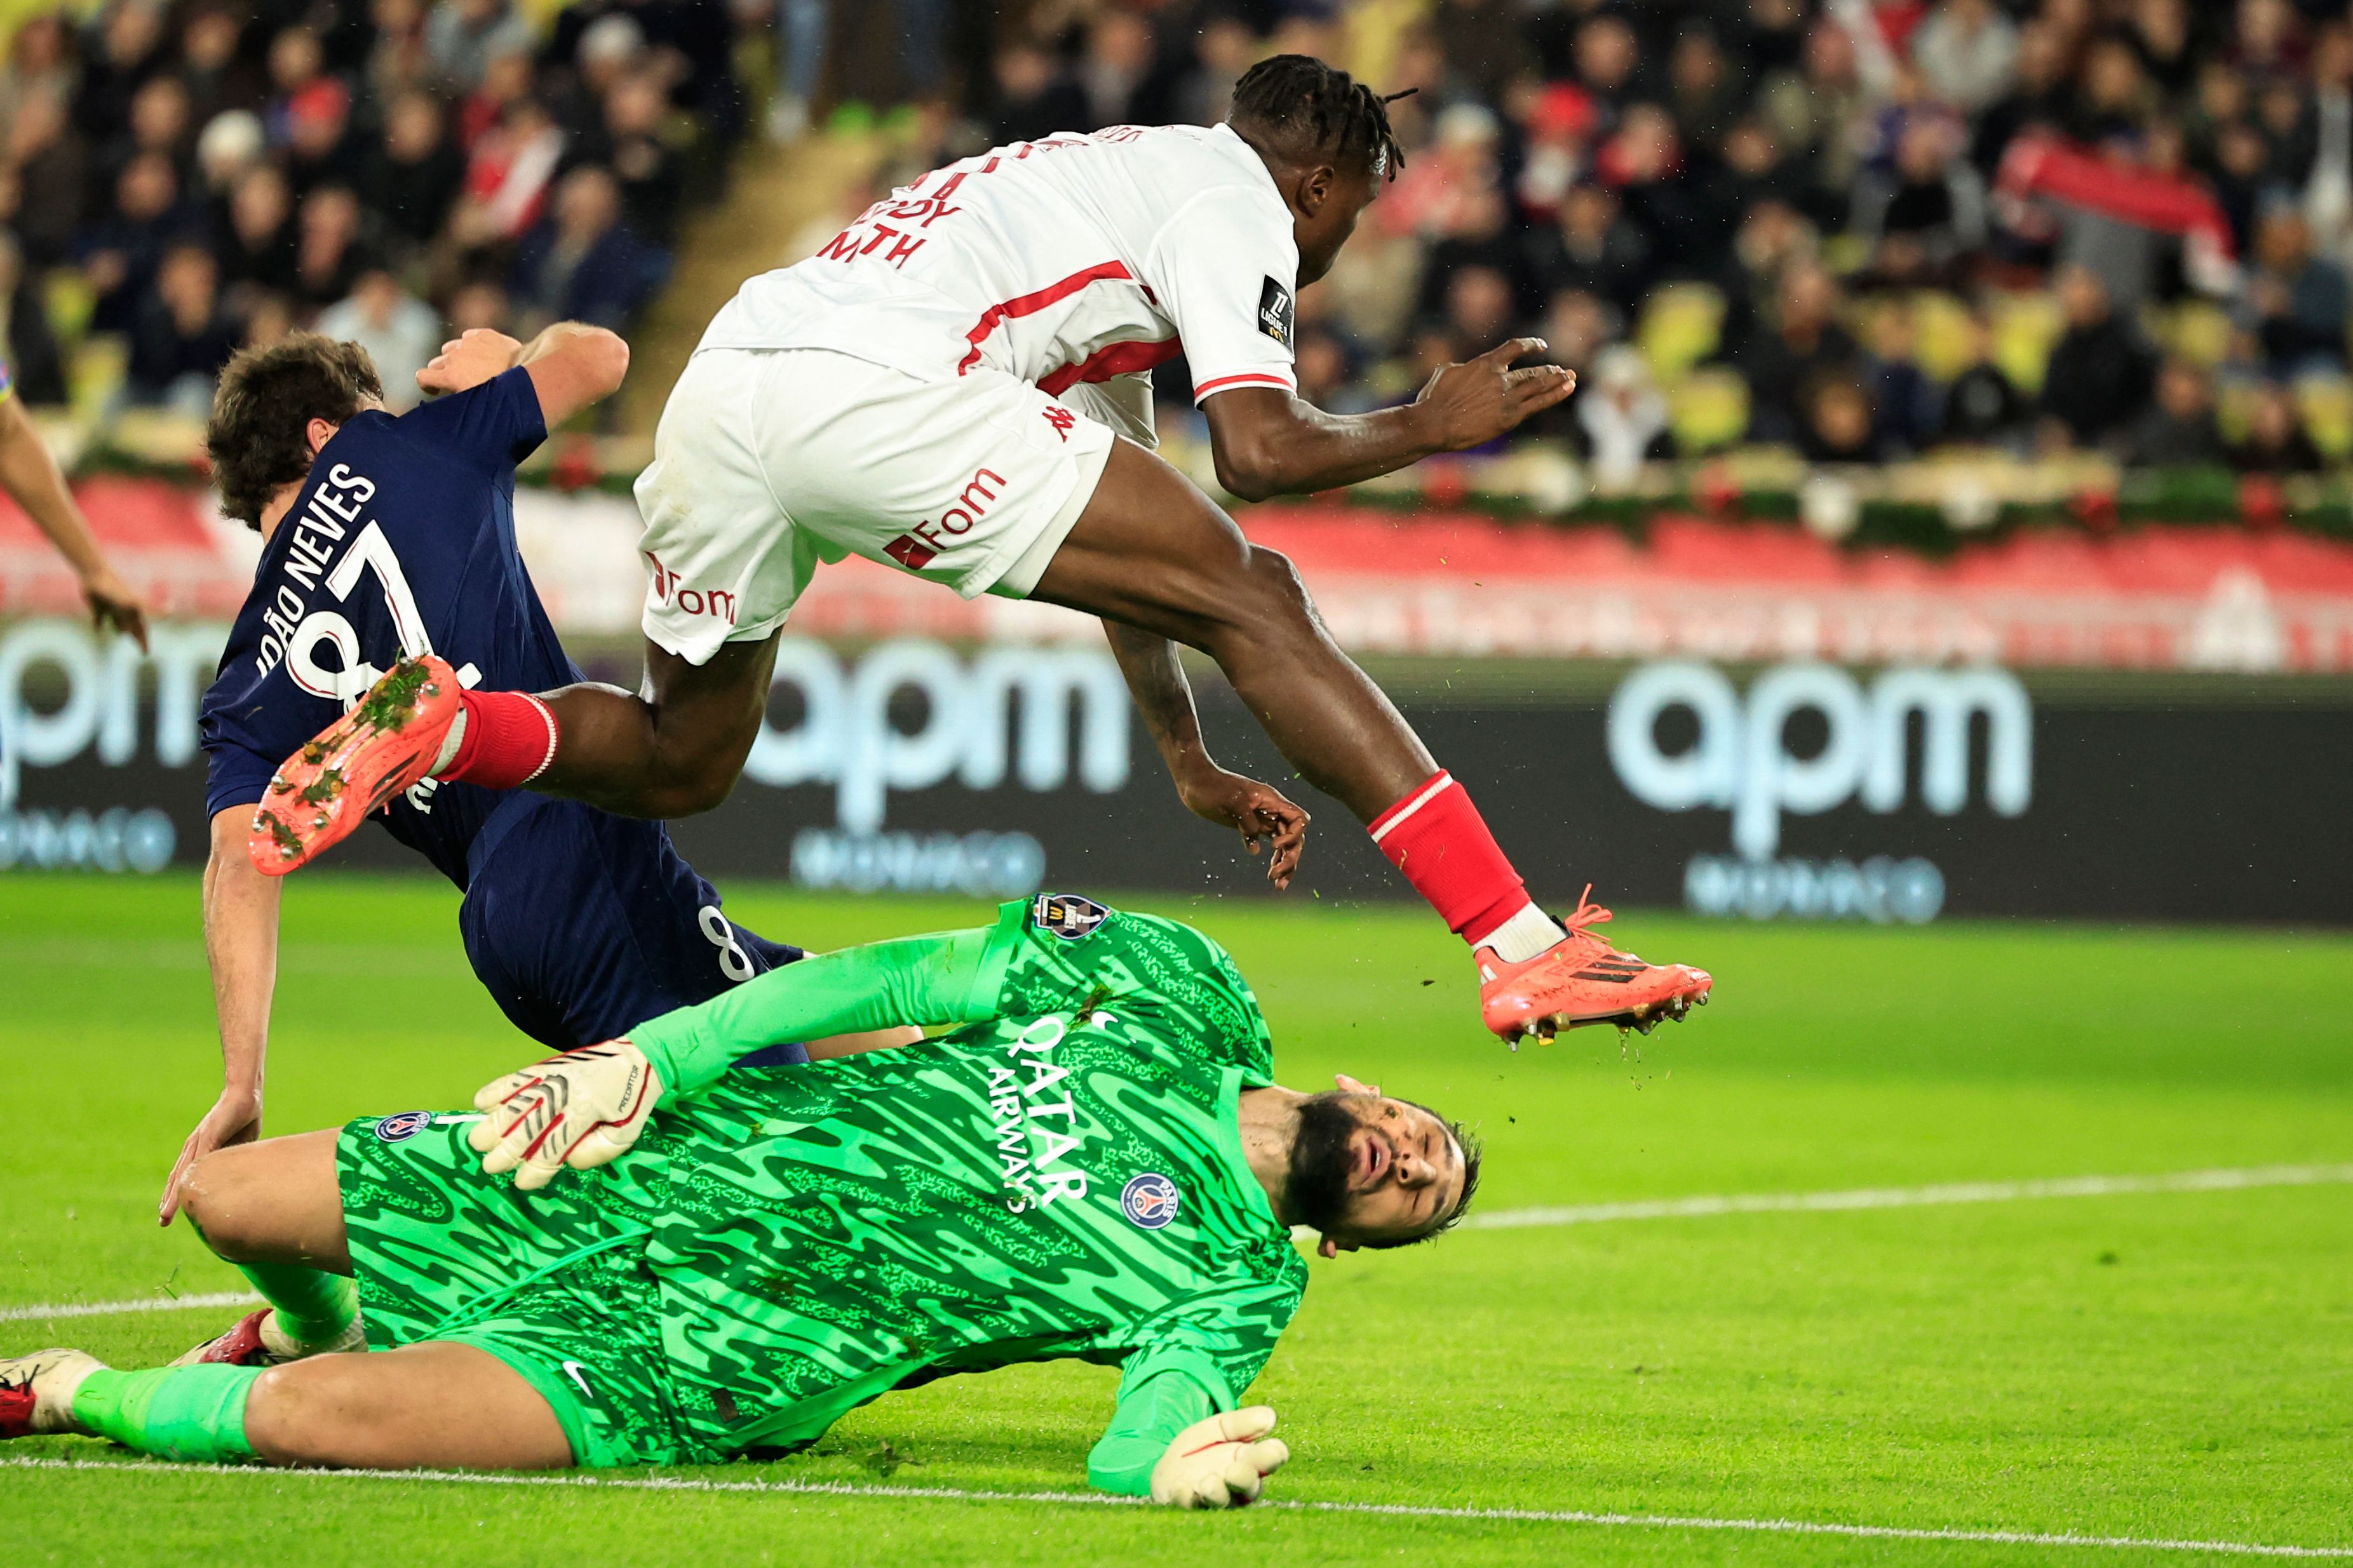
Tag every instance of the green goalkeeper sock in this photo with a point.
(314, 1307)
(173, 1412)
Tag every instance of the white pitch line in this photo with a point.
(2215, 1181)
(2219, 1180)
(1388, 1509)
(141, 1304)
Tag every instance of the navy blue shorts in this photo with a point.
(583, 924)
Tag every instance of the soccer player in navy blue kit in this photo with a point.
(389, 537)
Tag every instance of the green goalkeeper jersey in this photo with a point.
(1062, 1175)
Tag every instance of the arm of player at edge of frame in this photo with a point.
(241, 950)
(35, 482)
(571, 364)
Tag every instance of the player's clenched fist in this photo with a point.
(579, 1109)
(1222, 1462)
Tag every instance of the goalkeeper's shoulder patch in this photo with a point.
(1067, 915)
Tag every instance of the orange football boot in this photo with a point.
(1581, 979)
(321, 794)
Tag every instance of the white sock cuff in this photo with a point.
(1526, 933)
(547, 717)
(451, 742)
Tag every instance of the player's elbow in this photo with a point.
(1247, 470)
(604, 360)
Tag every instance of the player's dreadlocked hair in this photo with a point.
(1297, 106)
(266, 400)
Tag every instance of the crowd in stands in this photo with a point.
(1868, 231)
(184, 178)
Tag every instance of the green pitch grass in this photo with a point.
(2173, 1366)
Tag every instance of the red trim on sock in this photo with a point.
(510, 739)
(1437, 837)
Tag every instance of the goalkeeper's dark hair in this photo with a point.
(1299, 109)
(257, 437)
(1468, 1141)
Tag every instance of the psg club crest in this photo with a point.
(1067, 915)
(404, 1124)
(1150, 1199)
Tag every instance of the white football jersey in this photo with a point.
(1072, 261)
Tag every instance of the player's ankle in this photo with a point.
(1527, 933)
(500, 740)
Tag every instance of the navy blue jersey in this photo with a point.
(402, 541)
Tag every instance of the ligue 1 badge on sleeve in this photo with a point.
(1149, 1199)
(1067, 915)
(402, 1125)
(1276, 313)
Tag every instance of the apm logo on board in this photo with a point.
(1004, 715)
(1741, 760)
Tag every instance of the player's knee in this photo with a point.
(213, 1196)
(1277, 588)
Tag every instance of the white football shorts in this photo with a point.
(770, 461)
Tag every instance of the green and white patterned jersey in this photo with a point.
(1064, 1178)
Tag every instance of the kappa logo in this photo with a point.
(1067, 915)
(920, 545)
(1276, 312)
(403, 1125)
(1150, 1200)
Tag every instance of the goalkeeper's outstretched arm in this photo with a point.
(586, 1106)
(1173, 1439)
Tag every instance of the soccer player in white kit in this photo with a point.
(958, 386)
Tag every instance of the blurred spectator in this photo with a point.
(1592, 250)
(183, 337)
(481, 304)
(32, 348)
(52, 171)
(1904, 403)
(216, 77)
(38, 68)
(1485, 49)
(1982, 406)
(411, 176)
(1838, 422)
(2178, 428)
(259, 250)
(401, 332)
(125, 47)
(122, 250)
(462, 37)
(508, 175)
(318, 136)
(1967, 49)
(1032, 97)
(652, 173)
(2098, 379)
(329, 254)
(582, 263)
(1622, 419)
(230, 147)
(1120, 74)
(2275, 442)
(1927, 212)
(2295, 303)
(1803, 344)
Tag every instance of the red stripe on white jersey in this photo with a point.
(1111, 360)
(1253, 378)
(1030, 303)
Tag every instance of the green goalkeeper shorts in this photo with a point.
(550, 1282)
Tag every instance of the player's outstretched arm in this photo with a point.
(570, 365)
(241, 947)
(1258, 811)
(586, 1106)
(1269, 442)
(32, 479)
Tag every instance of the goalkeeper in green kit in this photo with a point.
(691, 1261)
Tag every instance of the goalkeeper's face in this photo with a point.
(1370, 1170)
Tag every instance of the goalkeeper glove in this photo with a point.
(1222, 1462)
(579, 1109)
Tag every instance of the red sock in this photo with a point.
(1437, 837)
(510, 739)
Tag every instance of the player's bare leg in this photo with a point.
(1152, 551)
(434, 1403)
